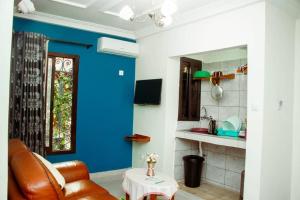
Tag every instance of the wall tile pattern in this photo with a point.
(222, 165)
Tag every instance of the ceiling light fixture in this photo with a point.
(126, 13)
(166, 21)
(26, 6)
(161, 16)
(161, 20)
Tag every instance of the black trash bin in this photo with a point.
(192, 170)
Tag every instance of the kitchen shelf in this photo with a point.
(138, 138)
(223, 77)
(213, 139)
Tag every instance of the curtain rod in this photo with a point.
(70, 42)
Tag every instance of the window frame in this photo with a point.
(75, 58)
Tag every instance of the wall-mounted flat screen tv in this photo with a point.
(148, 92)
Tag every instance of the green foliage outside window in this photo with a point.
(62, 110)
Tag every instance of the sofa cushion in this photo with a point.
(73, 170)
(57, 175)
(82, 188)
(33, 179)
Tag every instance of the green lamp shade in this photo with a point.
(201, 74)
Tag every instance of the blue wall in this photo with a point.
(105, 100)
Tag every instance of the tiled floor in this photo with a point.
(210, 192)
(114, 185)
(206, 192)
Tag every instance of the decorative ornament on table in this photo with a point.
(151, 161)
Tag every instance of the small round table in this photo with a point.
(138, 185)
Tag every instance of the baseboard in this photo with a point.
(118, 172)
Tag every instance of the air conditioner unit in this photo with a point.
(119, 47)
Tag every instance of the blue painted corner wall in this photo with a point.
(105, 100)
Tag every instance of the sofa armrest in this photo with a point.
(73, 170)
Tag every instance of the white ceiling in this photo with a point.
(93, 10)
(221, 55)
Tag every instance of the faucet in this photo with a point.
(205, 114)
(212, 122)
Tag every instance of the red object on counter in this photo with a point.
(199, 130)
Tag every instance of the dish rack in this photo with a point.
(229, 133)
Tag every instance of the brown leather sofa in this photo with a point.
(28, 178)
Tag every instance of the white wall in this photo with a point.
(159, 59)
(295, 192)
(149, 120)
(6, 10)
(278, 120)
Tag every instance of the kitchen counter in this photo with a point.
(212, 139)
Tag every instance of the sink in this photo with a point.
(199, 130)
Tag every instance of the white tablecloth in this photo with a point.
(137, 184)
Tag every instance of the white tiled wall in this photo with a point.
(183, 148)
(223, 165)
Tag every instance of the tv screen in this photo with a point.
(148, 92)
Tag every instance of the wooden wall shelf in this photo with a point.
(138, 138)
(216, 80)
(223, 77)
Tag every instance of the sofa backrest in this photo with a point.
(32, 178)
(15, 146)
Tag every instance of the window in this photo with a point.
(62, 76)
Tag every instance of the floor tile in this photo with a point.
(211, 192)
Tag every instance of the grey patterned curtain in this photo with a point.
(27, 90)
